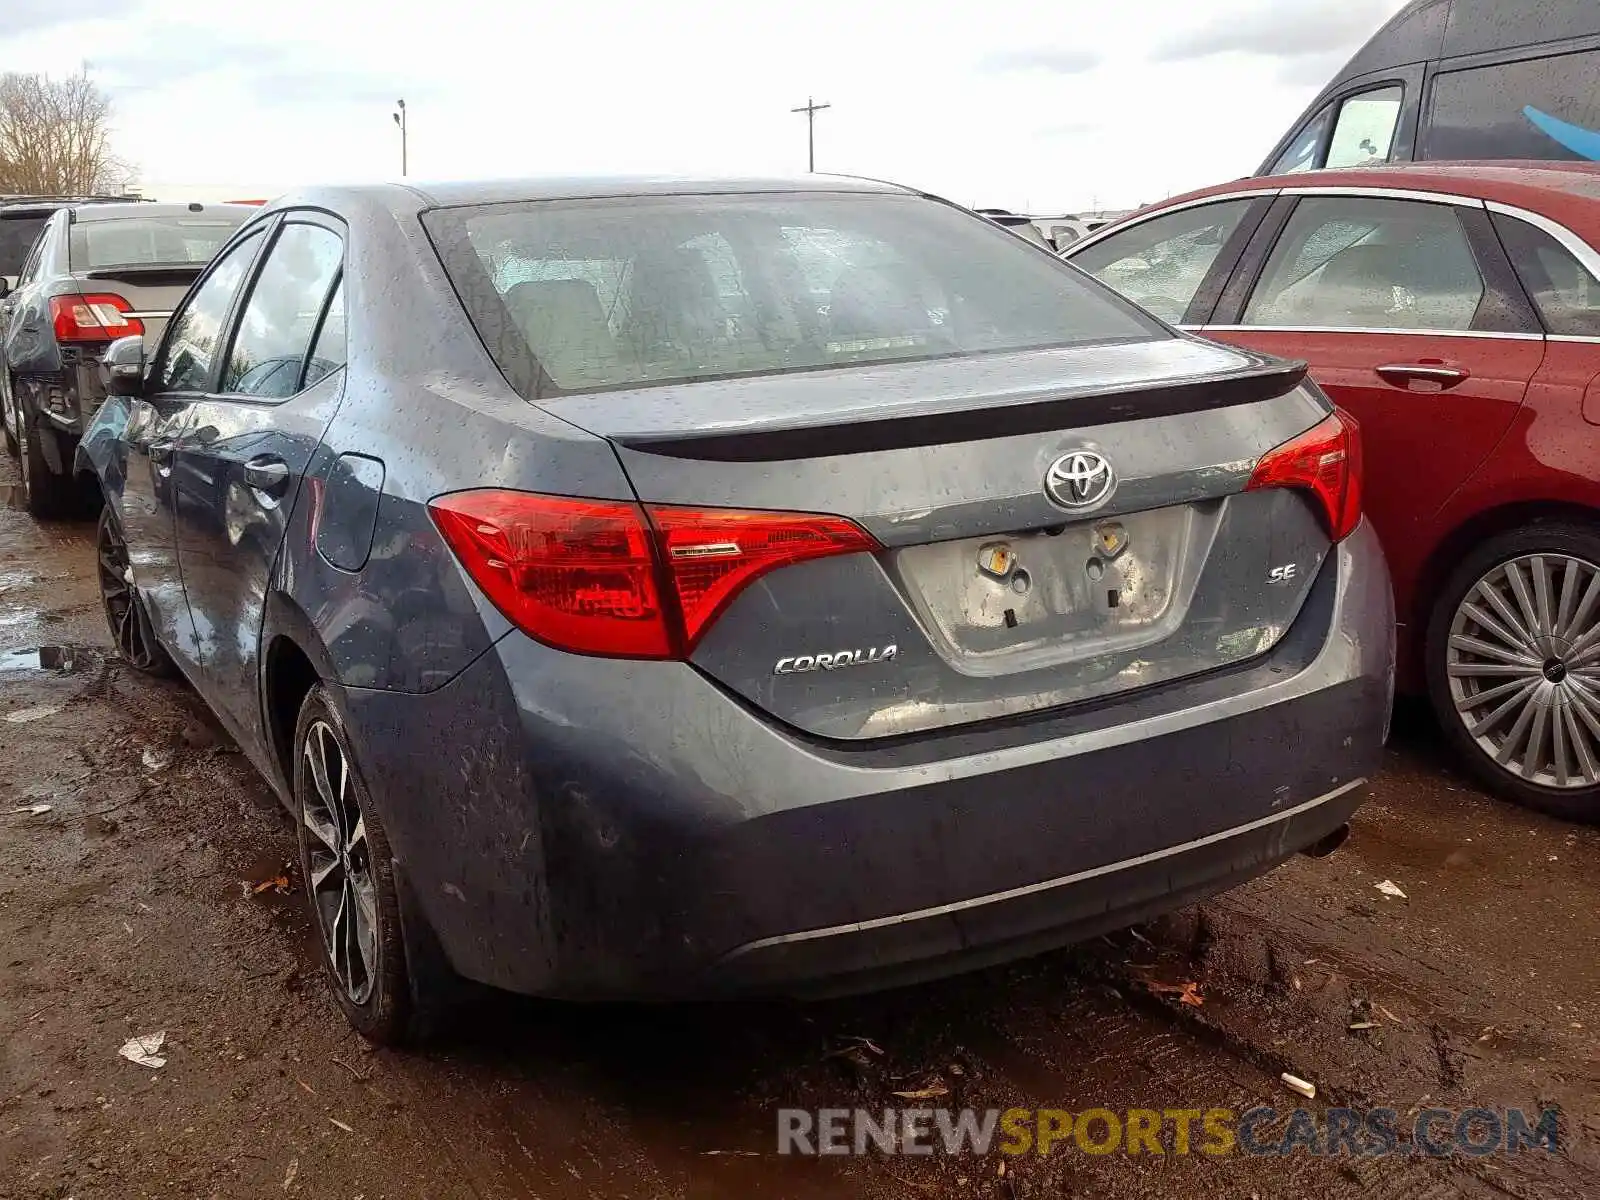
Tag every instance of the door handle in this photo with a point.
(267, 474)
(1405, 374)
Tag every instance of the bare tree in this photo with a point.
(55, 137)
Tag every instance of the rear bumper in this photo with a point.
(59, 403)
(605, 828)
(982, 930)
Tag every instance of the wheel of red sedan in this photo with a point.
(349, 881)
(126, 618)
(1515, 666)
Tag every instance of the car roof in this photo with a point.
(1520, 184)
(402, 197)
(113, 212)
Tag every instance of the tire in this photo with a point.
(343, 843)
(131, 629)
(44, 493)
(1513, 666)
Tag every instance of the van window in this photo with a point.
(1540, 108)
(1364, 134)
(1567, 293)
(1302, 152)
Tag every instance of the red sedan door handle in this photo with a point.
(1406, 374)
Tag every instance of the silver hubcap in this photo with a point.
(342, 892)
(1524, 668)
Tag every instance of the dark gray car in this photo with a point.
(650, 589)
(96, 272)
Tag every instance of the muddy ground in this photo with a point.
(127, 908)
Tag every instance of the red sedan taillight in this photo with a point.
(100, 317)
(1324, 460)
(618, 579)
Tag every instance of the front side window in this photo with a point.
(1540, 108)
(591, 294)
(1566, 291)
(190, 350)
(1364, 134)
(1160, 264)
(1301, 154)
(280, 318)
(1349, 262)
(98, 243)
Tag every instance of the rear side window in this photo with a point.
(17, 234)
(1348, 262)
(281, 316)
(1566, 292)
(1540, 108)
(328, 354)
(592, 294)
(194, 336)
(98, 243)
(1161, 263)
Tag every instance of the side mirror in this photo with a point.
(122, 369)
(5, 287)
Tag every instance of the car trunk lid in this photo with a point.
(994, 592)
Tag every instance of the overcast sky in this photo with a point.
(1044, 107)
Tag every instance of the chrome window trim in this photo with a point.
(1460, 333)
(1385, 193)
(1571, 242)
(1100, 235)
(1342, 189)
(1575, 338)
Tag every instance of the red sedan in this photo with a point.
(1455, 310)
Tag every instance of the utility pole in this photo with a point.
(400, 120)
(811, 109)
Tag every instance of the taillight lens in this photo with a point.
(1326, 461)
(100, 317)
(713, 554)
(600, 577)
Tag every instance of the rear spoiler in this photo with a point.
(776, 440)
(154, 275)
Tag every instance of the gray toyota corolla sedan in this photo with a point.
(656, 588)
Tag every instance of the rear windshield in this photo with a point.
(592, 294)
(147, 241)
(16, 238)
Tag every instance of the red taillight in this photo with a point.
(100, 317)
(1326, 461)
(712, 554)
(599, 577)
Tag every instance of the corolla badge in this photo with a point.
(1079, 479)
(800, 664)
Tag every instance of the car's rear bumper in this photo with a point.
(61, 404)
(590, 827)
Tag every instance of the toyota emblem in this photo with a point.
(1079, 479)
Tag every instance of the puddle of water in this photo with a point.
(40, 658)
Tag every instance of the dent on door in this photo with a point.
(239, 470)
